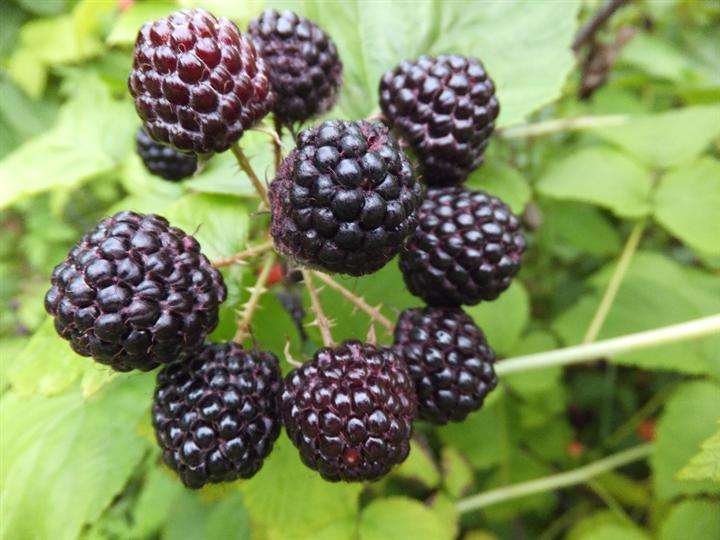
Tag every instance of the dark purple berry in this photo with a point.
(304, 67)
(350, 411)
(467, 248)
(345, 199)
(216, 414)
(134, 293)
(445, 108)
(448, 359)
(163, 161)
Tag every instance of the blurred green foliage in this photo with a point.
(77, 455)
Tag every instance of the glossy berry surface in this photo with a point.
(448, 359)
(467, 248)
(350, 411)
(134, 293)
(216, 414)
(163, 161)
(445, 108)
(345, 199)
(304, 67)
(198, 83)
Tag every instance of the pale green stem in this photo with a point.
(553, 482)
(611, 347)
(615, 281)
(561, 124)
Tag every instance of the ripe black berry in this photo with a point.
(448, 359)
(198, 83)
(304, 66)
(216, 414)
(467, 248)
(445, 107)
(134, 293)
(345, 199)
(163, 161)
(350, 411)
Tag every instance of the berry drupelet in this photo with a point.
(163, 161)
(466, 248)
(350, 411)
(345, 199)
(216, 414)
(445, 108)
(134, 293)
(198, 83)
(304, 67)
(448, 359)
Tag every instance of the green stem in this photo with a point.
(553, 482)
(561, 124)
(611, 347)
(615, 281)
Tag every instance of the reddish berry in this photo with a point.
(198, 83)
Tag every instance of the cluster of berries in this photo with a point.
(136, 292)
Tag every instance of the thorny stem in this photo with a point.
(256, 293)
(321, 320)
(358, 301)
(591, 27)
(561, 124)
(615, 281)
(556, 481)
(245, 166)
(610, 347)
(244, 255)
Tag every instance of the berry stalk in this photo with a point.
(244, 255)
(696, 328)
(321, 320)
(358, 301)
(247, 168)
(556, 481)
(256, 293)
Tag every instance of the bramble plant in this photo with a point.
(402, 270)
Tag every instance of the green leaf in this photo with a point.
(39, 371)
(288, 500)
(504, 319)
(686, 199)
(28, 71)
(127, 25)
(656, 56)
(696, 519)
(667, 139)
(458, 476)
(600, 176)
(419, 466)
(53, 447)
(219, 223)
(400, 518)
(705, 464)
(85, 142)
(690, 417)
(572, 230)
(614, 532)
(159, 491)
(485, 436)
(501, 34)
(656, 292)
(504, 182)
(373, 37)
